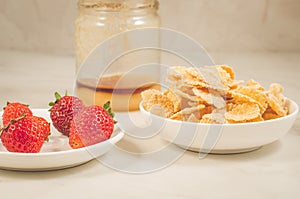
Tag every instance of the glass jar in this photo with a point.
(99, 20)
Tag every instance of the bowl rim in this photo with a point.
(290, 115)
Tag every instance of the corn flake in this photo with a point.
(229, 70)
(185, 113)
(193, 118)
(211, 94)
(277, 105)
(255, 85)
(213, 118)
(257, 95)
(243, 113)
(209, 98)
(174, 99)
(153, 97)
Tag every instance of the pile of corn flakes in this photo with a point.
(211, 94)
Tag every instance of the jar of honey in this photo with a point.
(99, 20)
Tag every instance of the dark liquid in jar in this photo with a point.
(123, 92)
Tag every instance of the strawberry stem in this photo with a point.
(11, 122)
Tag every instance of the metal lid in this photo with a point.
(118, 4)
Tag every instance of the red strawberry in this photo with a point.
(92, 125)
(63, 110)
(13, 111)
(25, 134)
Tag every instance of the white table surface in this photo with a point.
(270, 172)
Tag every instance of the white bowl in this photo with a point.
(223, 138)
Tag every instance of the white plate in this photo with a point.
(55, 154)
(222, 139)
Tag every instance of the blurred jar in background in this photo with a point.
(97, 21)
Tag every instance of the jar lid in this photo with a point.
(118, 4)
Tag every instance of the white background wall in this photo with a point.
(220, 25)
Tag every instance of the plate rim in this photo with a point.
(113, 140)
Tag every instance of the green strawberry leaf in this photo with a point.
(57, 96)
(47, 139)
(106, 105)
(108, 109)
